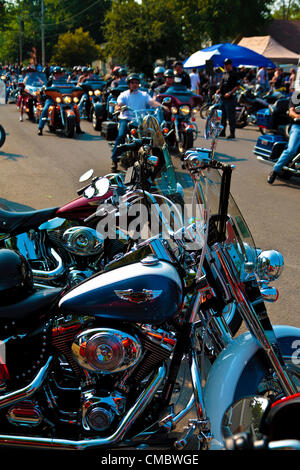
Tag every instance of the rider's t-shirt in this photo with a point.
(136, 100)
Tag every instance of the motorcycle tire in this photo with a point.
(188, 140)
(250, 373)
(2, 135)
(241, 124)
(70, 127)
(97, 123)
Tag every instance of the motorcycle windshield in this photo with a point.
(180, 92)
(201, 201)
(36, 79)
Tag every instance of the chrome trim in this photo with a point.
(29, 390)
(65, 444)
(39, 275)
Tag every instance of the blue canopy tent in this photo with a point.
(218, 53)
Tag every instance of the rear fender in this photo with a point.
(237, 372)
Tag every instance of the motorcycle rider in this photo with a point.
(136, 100)
(158, 75)
(56, 78)
(29, 70)
(180, 75)
(121, 79)
(228, 86)
(294, 139)
(169, 80)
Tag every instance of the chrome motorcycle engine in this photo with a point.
(106, 351)
(83, 241)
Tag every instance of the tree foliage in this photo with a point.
(75, 48)
(287, 10)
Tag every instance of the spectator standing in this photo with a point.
(195, 81)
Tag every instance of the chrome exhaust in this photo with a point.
(65, 444)
(39, 275)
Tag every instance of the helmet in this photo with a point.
(84, 69)
(227, 61)
(169, 73)
(116, 69)
(90, 69)
(15, 276)
(57, 69)
(30, 68)
(122, 72)
(133, 76)
(158, 70)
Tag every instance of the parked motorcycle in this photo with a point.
(179, 123)
(94, 106)
(248, 103)
(30, 88)
(2, 135)
(64, 113)
(275, 124)
(101, 368)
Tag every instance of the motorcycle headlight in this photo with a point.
(194, 110)
(90, 93)
(174, 110)
(270, 265)
(58, 99)
(75, 99)
(67, 99)
(184, 110)
(97, 92)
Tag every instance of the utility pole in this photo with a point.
(21, 31)
(43, 33)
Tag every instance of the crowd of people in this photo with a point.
(224, 80)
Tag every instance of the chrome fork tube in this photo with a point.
(252, 320)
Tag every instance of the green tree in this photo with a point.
(75, 48)
(287, 10)
(138, 33)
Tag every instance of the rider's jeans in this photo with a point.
(44, 114)
(290, 152)
(123, 125)
(228, 113)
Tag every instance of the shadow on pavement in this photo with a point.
(14, 206)
(11, 156)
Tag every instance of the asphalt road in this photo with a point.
(38, 172)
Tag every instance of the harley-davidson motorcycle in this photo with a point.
(99, 366)
(61, 243)
(179, 124)
(30, 89)
(275, 123)
(94, 106)
(64, 113)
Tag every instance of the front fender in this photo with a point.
(100, 109)
(237, 372)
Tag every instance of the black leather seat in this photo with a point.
(32, 306)
(19, 222)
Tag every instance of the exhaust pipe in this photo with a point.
(39, 275)
(65, 444)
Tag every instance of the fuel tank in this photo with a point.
(149, 291)
(81, 207)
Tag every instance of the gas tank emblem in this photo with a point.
(138, 297)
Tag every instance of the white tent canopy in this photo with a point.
(270, 48)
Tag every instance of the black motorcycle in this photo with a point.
(275, 123)
(2, 135)
(94, 106)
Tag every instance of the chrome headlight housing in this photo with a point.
(270, 265)
(97, 92)
(75, 99)
(184, 110)
(67, 99)
(174, 110)
(58, 99)
(91, 93)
